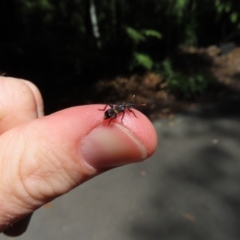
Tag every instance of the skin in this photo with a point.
(44, 157)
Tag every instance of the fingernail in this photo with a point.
(109, 146)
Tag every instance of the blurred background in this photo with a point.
(86, 51)
(180, 57)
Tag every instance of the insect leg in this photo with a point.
(110, 105)
(112, 119)
(132, 112)
(122, 117)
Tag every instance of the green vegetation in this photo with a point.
(141, 59)
(185, 85)
(57, 42)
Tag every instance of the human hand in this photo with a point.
(42, 158)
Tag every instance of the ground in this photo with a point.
(189, 189)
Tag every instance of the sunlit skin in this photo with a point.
(43, 157)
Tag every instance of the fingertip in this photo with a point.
(143, 129)
(38, 97)
(89, 117)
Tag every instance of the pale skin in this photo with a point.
(44, 157)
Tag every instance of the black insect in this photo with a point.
(115, 109)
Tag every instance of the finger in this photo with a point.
(20, 102)
(37, 97)
(56, 153)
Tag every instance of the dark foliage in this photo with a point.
(58, 45)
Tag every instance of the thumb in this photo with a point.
(49, 156)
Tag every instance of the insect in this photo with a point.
(115, 109)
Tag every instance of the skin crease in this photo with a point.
(42, 158)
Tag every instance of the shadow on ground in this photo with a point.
(189, 189)
(195, 176)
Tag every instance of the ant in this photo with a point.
(115, 109)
